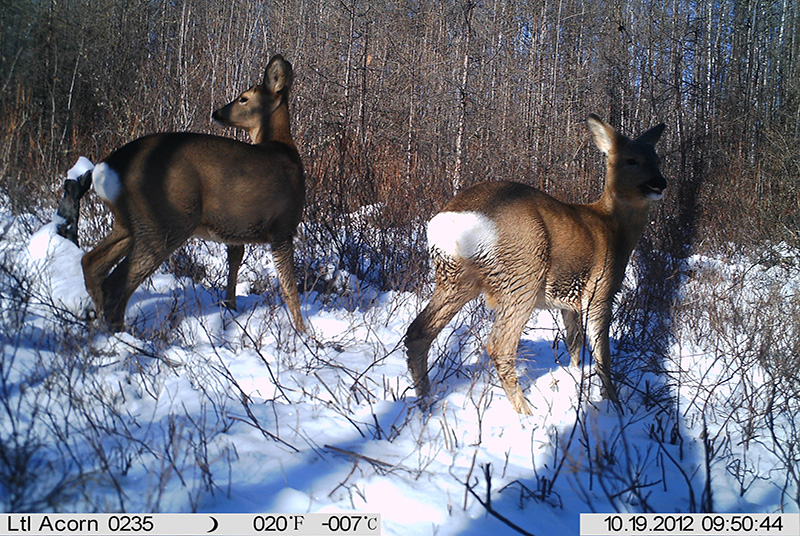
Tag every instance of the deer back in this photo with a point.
(213, 186)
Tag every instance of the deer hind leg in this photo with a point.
(452, 292)
(283, 253)
(142, 260)
(502, 349)
(235, 256)
(575, 335)
(98, 262)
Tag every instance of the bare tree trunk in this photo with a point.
(458, 170)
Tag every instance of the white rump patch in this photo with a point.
(106, 182)
(462, 234)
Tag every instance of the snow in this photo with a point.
(81, 166)
(55, 264)
(197, 408)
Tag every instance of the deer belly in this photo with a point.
(207, 233)
(565, 290)
(233, 228)
(226, 236)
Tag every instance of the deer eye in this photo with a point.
(243, 100)
(631, 162)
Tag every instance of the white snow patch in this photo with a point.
(54, 264)
(462, 234)
(81, 166)
(106, 182)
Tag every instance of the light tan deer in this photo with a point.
(526, 250)
(164, 188)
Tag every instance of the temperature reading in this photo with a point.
(277, 524)
(351, 523)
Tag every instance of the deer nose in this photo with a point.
(659, 182)
(654, 188)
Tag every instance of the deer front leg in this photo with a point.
(283, 253)
(598, 325)
(575, 335)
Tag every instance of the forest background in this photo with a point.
(398, 104)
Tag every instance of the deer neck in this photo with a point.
(274, 127)
(628, 218)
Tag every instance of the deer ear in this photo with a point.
(653, 135)
(604, 134)
(278, 74)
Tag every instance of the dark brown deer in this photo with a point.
(163, 189)
(526, 250)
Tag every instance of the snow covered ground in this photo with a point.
(196, 408)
